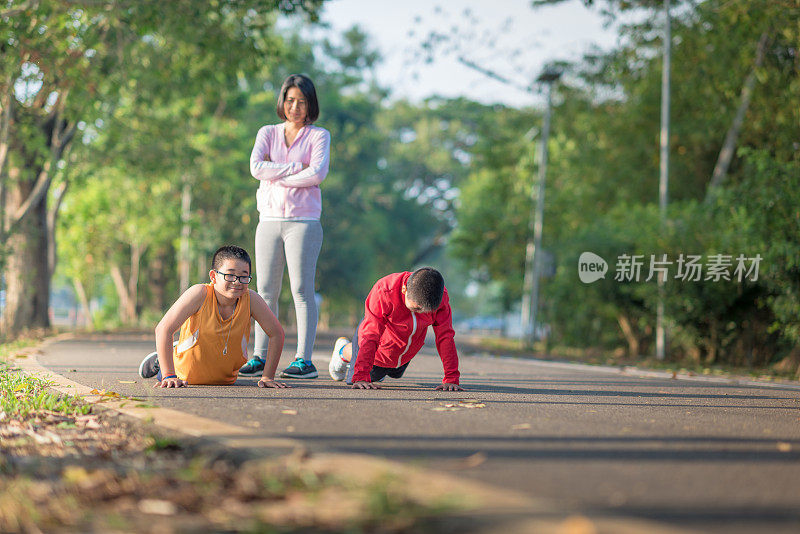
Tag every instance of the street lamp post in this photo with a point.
(663, 182)
(533, 252)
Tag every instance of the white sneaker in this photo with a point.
(149, 366)
(338, 367)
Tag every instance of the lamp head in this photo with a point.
(549, 75)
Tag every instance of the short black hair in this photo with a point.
(306, 86)
(425, 287)
(230, 252)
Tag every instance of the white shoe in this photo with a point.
(338, 367)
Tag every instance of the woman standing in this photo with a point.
(290, 160)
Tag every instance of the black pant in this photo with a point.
(377, 372)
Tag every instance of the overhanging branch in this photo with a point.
(729, 145)
(59, 140)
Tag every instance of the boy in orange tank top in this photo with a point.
(214, 322)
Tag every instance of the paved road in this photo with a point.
(697, 455)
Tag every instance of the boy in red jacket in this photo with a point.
(397, 313)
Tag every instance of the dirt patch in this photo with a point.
(105, 472)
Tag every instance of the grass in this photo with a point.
(163, 443)
(13, 348)
(21, 396)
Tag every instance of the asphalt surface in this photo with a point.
(697, 455)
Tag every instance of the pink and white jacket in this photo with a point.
(286, 189)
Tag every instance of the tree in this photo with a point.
(64, 65)
(603, 180)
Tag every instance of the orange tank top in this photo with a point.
(201, 356)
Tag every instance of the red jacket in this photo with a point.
(391, 335)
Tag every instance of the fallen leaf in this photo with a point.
(577, 525)
(74, 474)
(157, 507)
(784, 447)
(92, 425)
(43, 437)
(84, 418)
(521, 426)
(289, 412)
(471, 461)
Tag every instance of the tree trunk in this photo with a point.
(52, 219)
(133, 280)
(26, 271)
(126, 309)
(5, 125)
(127, 290)
(80, 291)
(157, 280)
(26, 222)
(729, 145)
(630, 336)
(203, 267)
(184, 261)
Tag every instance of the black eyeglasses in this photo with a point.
(228, 277)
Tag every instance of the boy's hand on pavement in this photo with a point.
(365, 385)
(268, 383)
(449, 387)
(171, 383)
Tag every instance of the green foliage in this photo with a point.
(163, 443)
(74, 71)
(21, 396)
(763, 212)
(602, 185)
(495, 199)
(388, 200)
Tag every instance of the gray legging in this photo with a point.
(295, 244)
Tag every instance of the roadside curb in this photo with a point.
(191, 425)
(633, 371)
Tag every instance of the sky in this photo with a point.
(507, 37)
